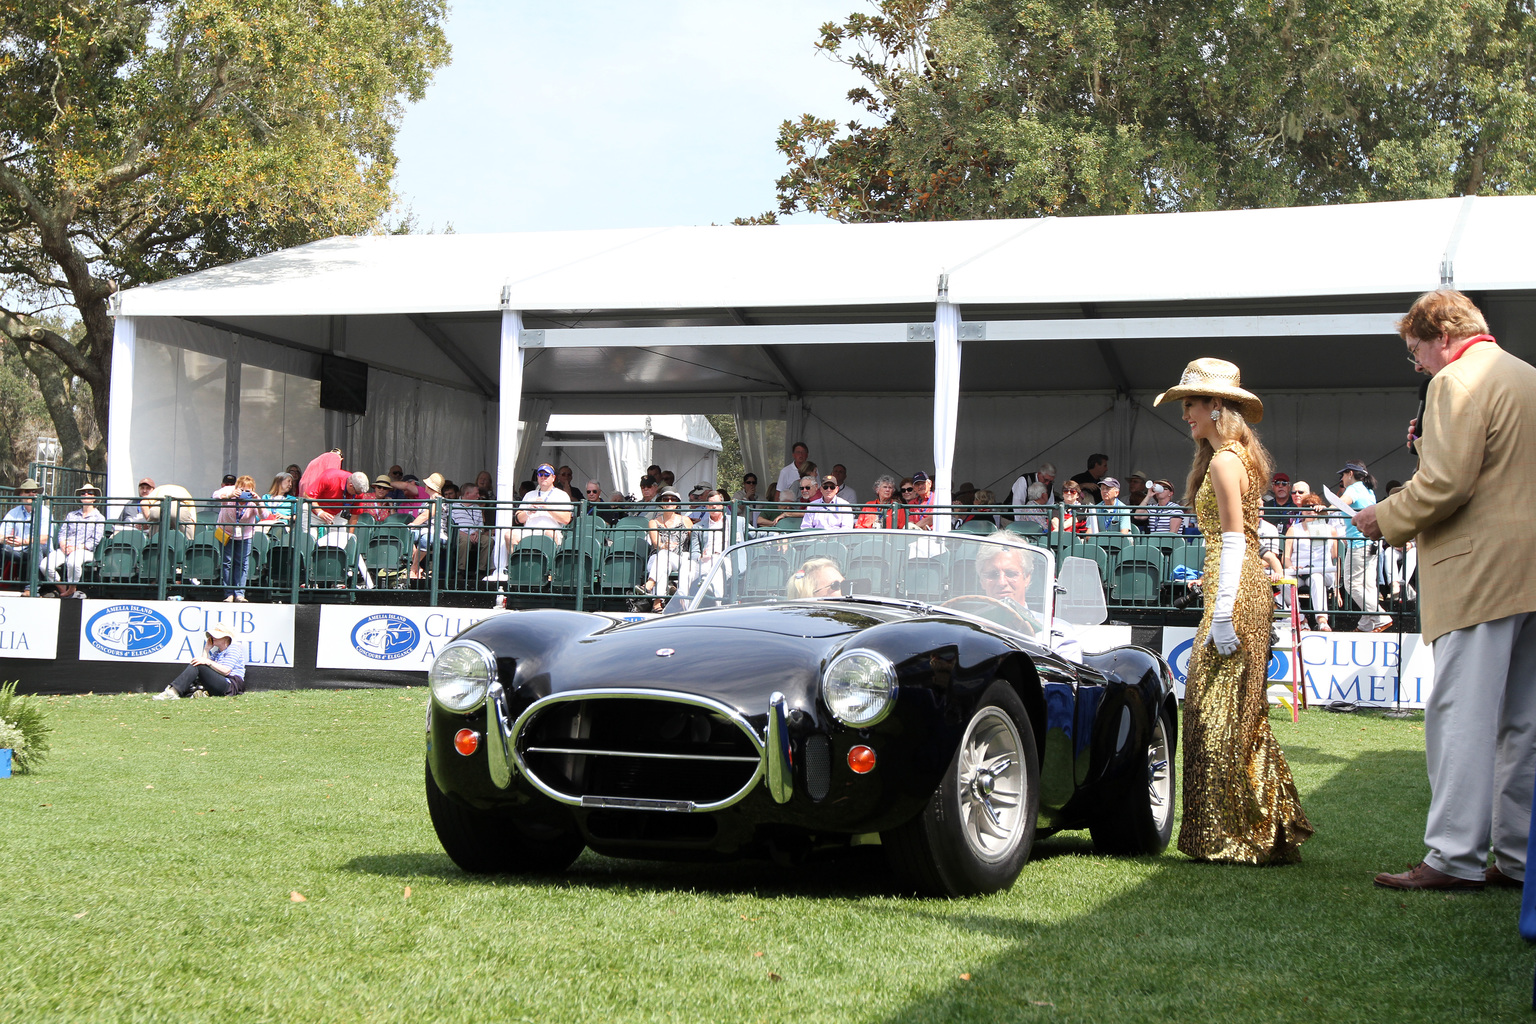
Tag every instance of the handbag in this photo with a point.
(221, 535)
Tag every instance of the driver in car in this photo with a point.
(1005, 568)
(817, 578)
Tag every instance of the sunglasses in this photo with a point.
(807, 489)
(832, 484)
(906, 490)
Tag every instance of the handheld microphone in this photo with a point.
(1418, 418)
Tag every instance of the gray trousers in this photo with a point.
(1480, 745)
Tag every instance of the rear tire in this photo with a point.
(502, 842)
(1136, 818)
(976, 832)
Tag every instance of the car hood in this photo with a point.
(736, 655)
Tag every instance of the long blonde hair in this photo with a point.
(1230, 427)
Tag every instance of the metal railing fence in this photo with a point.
(608, 556)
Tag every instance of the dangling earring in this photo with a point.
(1215, 415)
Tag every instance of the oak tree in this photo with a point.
(143, 139)
(1018, 108)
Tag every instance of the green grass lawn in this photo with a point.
(151, 860)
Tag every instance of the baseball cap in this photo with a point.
(919, 477)
(1109, 481)
(1281, 478)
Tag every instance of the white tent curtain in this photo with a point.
(946, 402)
(629, 452)
(795, 415)
(753, 414)
(425, 428)
(530, 436)
(177, 430)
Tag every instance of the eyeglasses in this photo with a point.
(1413, 353)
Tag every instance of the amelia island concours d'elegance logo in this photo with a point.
(1178, 661)
(128, 631)
(385, 636)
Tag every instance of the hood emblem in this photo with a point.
(665, 652)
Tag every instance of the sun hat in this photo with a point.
(1138, 475)
(434, 483)
(544, 469)
(1215, 378)
(382, 480)
(29, 485)
(88, 489)
(218, 632)
(1355, 468)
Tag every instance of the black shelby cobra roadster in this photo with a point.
(820, 689)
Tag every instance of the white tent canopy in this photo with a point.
(1065, 329)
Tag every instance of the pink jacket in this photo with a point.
(242, 525)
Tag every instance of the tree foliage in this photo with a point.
(143, 139)
(1017, 108)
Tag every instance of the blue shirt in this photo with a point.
(1110, 522)
(232, 658)
(18, 524)
(1357, 496)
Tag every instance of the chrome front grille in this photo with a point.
(637, 750)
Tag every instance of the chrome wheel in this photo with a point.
(992, 785)
(1160, 774)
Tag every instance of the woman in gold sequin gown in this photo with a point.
(1240, 802)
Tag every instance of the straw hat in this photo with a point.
(1215, 378)
(90, 489)
(434, 483)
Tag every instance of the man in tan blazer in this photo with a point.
(1470, 506)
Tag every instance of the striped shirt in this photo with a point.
(233, 658)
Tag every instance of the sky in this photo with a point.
(615, 113)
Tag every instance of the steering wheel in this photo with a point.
(986, 607)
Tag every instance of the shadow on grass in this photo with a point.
(850, 874)
(1305, 942)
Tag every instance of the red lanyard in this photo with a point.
(1468, 344)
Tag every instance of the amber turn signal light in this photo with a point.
(861, 759)
(467, 741)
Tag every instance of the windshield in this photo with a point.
(991, 570)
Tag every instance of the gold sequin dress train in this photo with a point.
(1240, 802)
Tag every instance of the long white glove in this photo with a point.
(1227, 573)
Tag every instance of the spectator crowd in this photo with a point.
(1301, 536)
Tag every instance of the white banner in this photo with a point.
(395, 639)
(1098, 639)
(1367, 669)
(173, 632)
(29, 627)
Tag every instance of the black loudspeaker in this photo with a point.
(343, 385)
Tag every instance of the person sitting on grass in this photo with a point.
(218, 672)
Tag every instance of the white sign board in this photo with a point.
(29, 627)
(1098, 639)
(1366, 669)
(174, 632)
(394, 639)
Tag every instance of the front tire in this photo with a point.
(976, 832)
(501, 842)
(1137, 817)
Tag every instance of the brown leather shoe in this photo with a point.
(1385, 627)
(1422, 876)
(1493, 876)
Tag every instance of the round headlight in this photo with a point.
(461, 674)
(859, 687)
